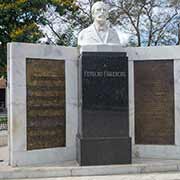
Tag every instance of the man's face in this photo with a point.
(100, 13)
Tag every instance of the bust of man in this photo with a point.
(100, 31)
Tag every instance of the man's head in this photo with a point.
(99, 12)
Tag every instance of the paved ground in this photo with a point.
(4, 155)
(154, 176)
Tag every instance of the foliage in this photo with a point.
(19, 18)
(19, 22)
(3, 119)
(3, 61)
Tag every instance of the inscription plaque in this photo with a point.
(45, 103)
(154, 102)
(105, 94)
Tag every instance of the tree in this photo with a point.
(18, 22)
(150, 22)
(59, 22)
(65, 25)
(176, 5)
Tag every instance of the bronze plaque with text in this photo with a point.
(154, 102)
(45, 103)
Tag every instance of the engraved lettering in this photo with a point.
(105, 74)
(45, 107)
(50, 78)
(45, 104)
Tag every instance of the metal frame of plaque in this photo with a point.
(46, 124)
(103, 136)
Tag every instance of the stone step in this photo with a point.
(149, 176)
(7, 172)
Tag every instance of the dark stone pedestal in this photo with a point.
(103, 135)
(103, 151)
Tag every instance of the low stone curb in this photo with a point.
(50, 172)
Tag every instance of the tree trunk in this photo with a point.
(139, 39)
(178, 43)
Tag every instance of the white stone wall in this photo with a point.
(145, 54)
(155, 53)
(17, 54)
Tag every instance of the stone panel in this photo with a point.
(105, 94)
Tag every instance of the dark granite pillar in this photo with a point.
(103, 134)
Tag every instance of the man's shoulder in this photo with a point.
(86, 30)
(84, 35)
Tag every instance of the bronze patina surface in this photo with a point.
(45, 103)
(154, 102)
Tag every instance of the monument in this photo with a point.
(100, 32)
(103, 133)
(44, 105)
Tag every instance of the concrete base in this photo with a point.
(103, 151)
(71, 169)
